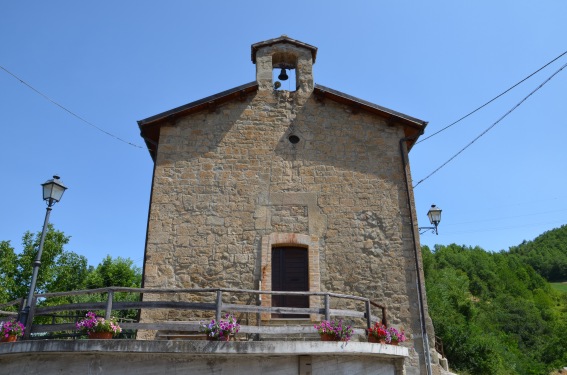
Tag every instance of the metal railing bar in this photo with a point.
(11, 303)
(195, 290)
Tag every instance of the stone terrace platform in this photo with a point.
(140, 357)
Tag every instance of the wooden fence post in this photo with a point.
(368, 315)
(108, 312)
(218, 305)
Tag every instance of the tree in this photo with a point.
(494, 313)
(8, 270)
(547, 254)
(60, 270)
(114, 272)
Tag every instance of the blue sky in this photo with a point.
(116, 62)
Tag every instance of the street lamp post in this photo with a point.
(434, 215)
(52, 192)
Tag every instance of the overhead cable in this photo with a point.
(67, 110)
(493, 99)
(493, 125)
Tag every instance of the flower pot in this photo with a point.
(10, 338)
(376, 340)
(394, 342)
(101, 336)
(223, 338)
(328, 337)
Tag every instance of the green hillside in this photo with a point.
(547, 254)
(561, 287)
(494, 312)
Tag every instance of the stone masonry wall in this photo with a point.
(225, 179)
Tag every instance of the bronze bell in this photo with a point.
(283, 75)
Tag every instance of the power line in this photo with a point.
(67, 110)
(493, 99)
(493, 125)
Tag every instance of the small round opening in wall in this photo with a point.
(293, 139)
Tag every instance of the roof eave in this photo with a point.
(198, 105)
(413, 127)
(149, 127)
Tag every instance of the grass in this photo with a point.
(562, 287)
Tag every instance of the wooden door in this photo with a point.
(290, 273)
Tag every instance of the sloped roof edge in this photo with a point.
(371, 107)
(413, 127)
(220, 97)
(149, 127)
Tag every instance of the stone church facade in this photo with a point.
(254, 183)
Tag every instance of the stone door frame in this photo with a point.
(311, 243)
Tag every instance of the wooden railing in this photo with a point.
(15, 305)
(363, 311)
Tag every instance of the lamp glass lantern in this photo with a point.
(434, 215)
(53, 190)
